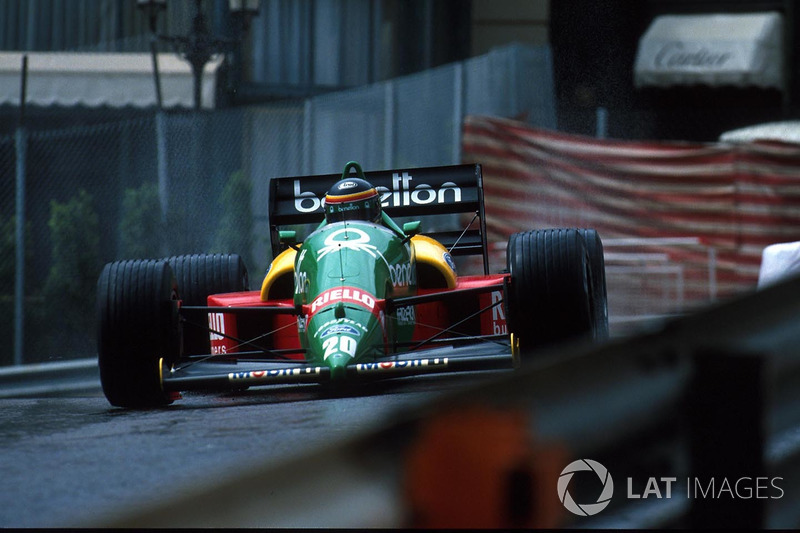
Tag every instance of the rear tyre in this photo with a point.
(137, 310)
(199, 276)
(548, 298)
(599, 295)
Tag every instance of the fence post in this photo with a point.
(161, 162)
(712, 274)
(21, 145)
(458, 111)
(601, 125)
(388, 125)
(308, 139)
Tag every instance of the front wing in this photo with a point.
(239, 375)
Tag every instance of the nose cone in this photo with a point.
(344, 327)
(338, 365)
(344, 343)
(338, 341)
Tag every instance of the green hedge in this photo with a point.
(234, 232)
(142, 226)
(70, 289)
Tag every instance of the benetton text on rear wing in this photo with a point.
(404, 192)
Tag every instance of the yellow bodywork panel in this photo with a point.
(435, 269)
(280, 272)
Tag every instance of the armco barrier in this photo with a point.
(49, 378)
(694, 423)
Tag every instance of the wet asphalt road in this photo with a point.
(75, 461)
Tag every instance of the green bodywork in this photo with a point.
(343, 273)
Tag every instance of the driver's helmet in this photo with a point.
(352, 199)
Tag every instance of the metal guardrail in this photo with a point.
(697, 422)
(47, 379)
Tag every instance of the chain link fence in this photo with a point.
(167, 183)
(157, 184)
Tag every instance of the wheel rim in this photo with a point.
(515, 358)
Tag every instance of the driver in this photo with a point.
(352, 199)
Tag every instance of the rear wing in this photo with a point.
(404, 193)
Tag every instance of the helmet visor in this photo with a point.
(369, 210)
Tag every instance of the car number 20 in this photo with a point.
(341, 343)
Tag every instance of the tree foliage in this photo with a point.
(70, 287)
(141, 225)
(234, 232)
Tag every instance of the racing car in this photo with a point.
(359, 296)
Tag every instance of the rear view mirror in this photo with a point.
(287, 237)
(412, 228)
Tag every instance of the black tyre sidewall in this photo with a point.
(548, 297)
(137, 327)
(599, 294)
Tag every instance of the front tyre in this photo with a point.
(138, 327)
(549, 295)
(597, 284)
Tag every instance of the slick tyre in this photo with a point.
(597, 284)
(137, 311)
(549, 293)
(199, 276)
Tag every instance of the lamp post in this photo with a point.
(199, 45)
(242, 12)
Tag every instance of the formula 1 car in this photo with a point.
(355, 299)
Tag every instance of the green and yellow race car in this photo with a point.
(359, 297)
